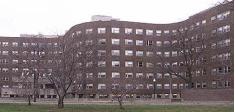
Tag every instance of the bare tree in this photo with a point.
(64, 70)
(189, 48)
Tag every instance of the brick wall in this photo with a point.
(207, 94)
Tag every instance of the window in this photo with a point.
(139, 42)
(213, 18)
(128, 31)
(198, 85)
(159, 76)
(167, 54)
(101, 52)
(15, 52)
(4, 44)
(128, 53)
(101, 63)
(174, 53)
(139, 75)
(101, 30)
(14, 44)
(128, 63)
(174, 86)
(149, 54)
(203, 21)
(139, 64)
(89, 75)
(203, 84)
(25, 44)
(159, 86)
(129, 86)
(149, 86)
(139, 86)
(89, 86)
(159, 43)
(4, 52)
(115, 30)
(115, 41)
(149, 65)
(15, 69)
(5, 69)
(159, 53)
(115, 52)
(158, 32)
(115, 63)
(101, 86)
(128, 42)
(101, 41)
(139, 31)
(166, 86)
(139, 53)
(14, 61)
(166, 75)
(149, 43)
(149, 75)
(88, 31)
(166, 31)
(149, 32)
(167, 43)
(115, 75)
(115, 86)
(129, 75)
(89, 64)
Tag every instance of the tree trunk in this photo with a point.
(29, 100)
(61, 102)
(120, 103)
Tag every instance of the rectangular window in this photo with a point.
(174, 53)
(139, 53)
(115, 52)
(4, 52)
(149, 43)
(158, 32)
(101, 30)
(101, 63)
(166, 86)
(4, 44)
(149, 54)
(115, 63)
(101, 41)
(128, 53)
(159, 75)
(88, 31)
(139, 31)
(139, 64)
(149, 75)
(14, 44)
(139, 42)
(149, 86)
(149, 65)
(159, 43)
(149, 32)
(129, 75)
(89, 86)
(128, 31)
(89, 75)
(139, 75)
(101, 86)
(115, 41)
(128, 63)
(139, 86)
(115, 75)
(128, 42)
(101, 53)
(167, 54)
(115, 30)
(159, 86)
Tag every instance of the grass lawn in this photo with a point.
(113, 108)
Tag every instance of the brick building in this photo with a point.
(127, 54)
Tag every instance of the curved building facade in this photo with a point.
(132, 55)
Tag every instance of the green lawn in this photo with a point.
(113, 108)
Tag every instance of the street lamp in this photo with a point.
(154, 88)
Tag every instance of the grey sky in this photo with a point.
(56, 16)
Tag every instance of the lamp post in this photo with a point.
(154, 88)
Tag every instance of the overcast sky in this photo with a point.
(57, 16)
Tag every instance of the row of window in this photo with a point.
(203, 84)
(24, 44)
(150, 32)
